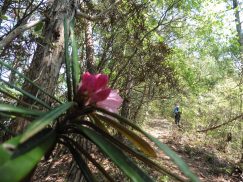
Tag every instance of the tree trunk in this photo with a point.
(238, 29)
(240, 40)
(49, 55)
(89, 47)
(126, 102)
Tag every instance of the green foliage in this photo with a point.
(23, 164)
(67, 60)
(39, 27)
(75, 64)
(6, 108)
(40, 123)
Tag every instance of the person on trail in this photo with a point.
(177, 114)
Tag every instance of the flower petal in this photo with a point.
(101, 95)
(88, 82)
(100, 82)
(112, 102)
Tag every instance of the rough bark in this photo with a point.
(49, 55)
(126, 102)
(89, 47)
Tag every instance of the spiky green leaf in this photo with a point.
(15, 169)
(19, 111)
(75, 64)
(45, 120)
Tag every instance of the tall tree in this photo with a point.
(49, 55)
(236, 8)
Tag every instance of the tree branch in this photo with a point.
(20, 29)
(217, 126)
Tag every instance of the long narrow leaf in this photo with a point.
(67, 59)
(81, 163)
(5, 92)
(10, 95)
(97, 121)
(26, 94)
(7, 148)
(45, 120)
(88, 156)
(174, 157)
(29, 80)
(10, 109)
(117, 156)
(75, 64)
(33, 141)
(16, 169)
(133, 137)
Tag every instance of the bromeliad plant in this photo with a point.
(90, 112)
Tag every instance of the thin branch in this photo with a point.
(217, 126)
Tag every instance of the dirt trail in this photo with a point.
(204, 164)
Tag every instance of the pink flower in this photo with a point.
(112, 102)
(94, 90)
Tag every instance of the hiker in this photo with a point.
(177, 114)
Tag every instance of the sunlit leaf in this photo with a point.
(98, 122)
(8, 92)
(133, 137)
(3, 17)
(7, 148)
(17, 168)
(38, 27)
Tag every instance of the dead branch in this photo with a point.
(217, 126)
